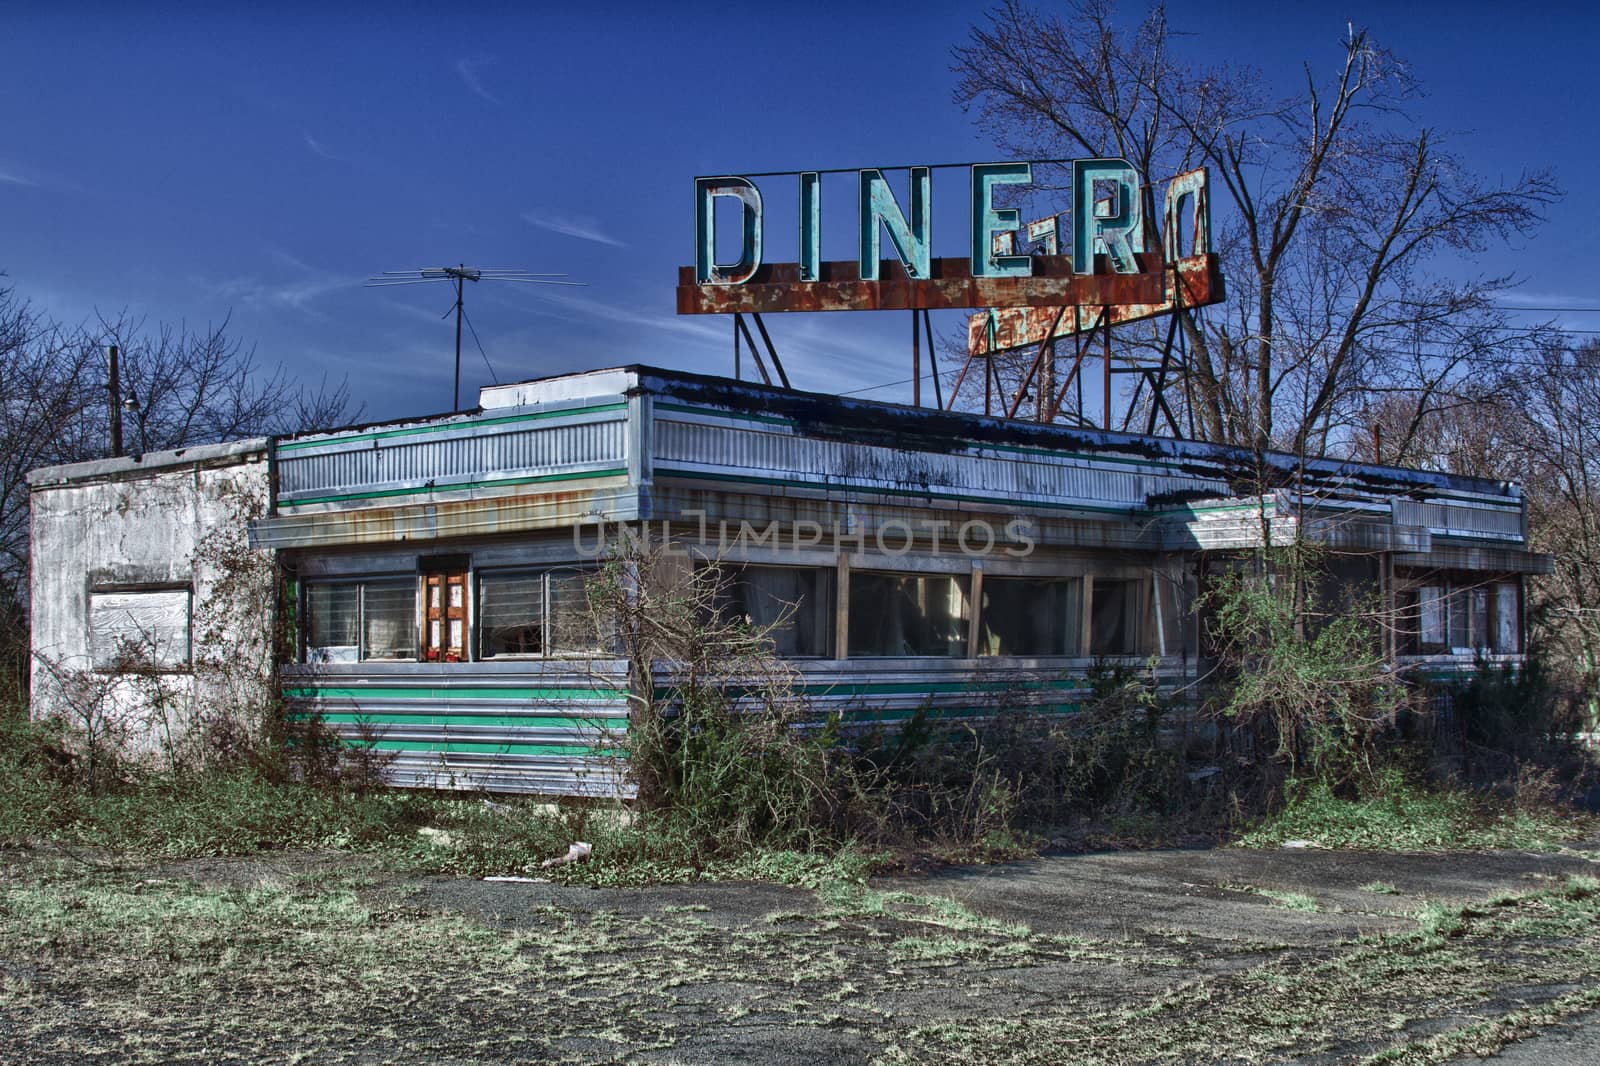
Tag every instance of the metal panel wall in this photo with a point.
(356, 469)
(711, 443)
(532, 726)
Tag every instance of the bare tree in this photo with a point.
(1551, 436)
(184, 387)
(1335, 206)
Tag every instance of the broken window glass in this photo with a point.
(793, 605)
(1117, 616)
(1030, 616)
(908, 614)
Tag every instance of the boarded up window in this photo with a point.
(139, 628)
(908, 614)
(1027, 616)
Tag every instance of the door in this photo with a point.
(444, 623)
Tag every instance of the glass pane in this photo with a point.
(1506, 627)
(1459, 619)
(1027, 616)
(794, 605)
(1480, 618)
(1430, 602)
(510, 615)
(1117, 615)
(332, 613)
(573, 627)
(906, 614)
(389, 620)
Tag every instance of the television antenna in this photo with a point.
(460, 275)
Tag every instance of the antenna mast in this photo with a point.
(460, 274)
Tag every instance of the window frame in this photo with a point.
(828, 608)
(185, 666)
(961, 647)
(308, 651)
(1076, 631)
(546, 623)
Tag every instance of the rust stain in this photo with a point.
(1199, 276)
(777, 287)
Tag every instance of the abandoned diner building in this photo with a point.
(433, 570)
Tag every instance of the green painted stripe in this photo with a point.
(1270, 509)
(576, 750)
(744, 479)
(447, 692)
(930, 687)
(445, 720)
(943, 713)
(412, 431)
(534, 479)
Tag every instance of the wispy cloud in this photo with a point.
(1547, 299)
(298, 293)
(317, 148)
(580, 226)
(12, 177)
(468, 69)
(587, 308)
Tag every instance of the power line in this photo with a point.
(492, 375)
(460, 275)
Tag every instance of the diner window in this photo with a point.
(353, 621)
(1030, 616)
(908, 614)
(1470, 615)
(1430, 607)
(534, 612)
(1118, 616)
(794, 605)
(510, 615)
(1507, 618)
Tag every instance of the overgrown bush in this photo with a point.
(1307, 681)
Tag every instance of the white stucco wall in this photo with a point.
(123, 534)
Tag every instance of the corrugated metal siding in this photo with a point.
(1500, 522)
(713, 445)
(502, 727)
(473, 453)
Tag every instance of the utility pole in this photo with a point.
(114, 399)
(460, 274)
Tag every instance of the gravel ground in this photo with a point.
(1197, 956)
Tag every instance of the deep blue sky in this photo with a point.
(183, 163)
